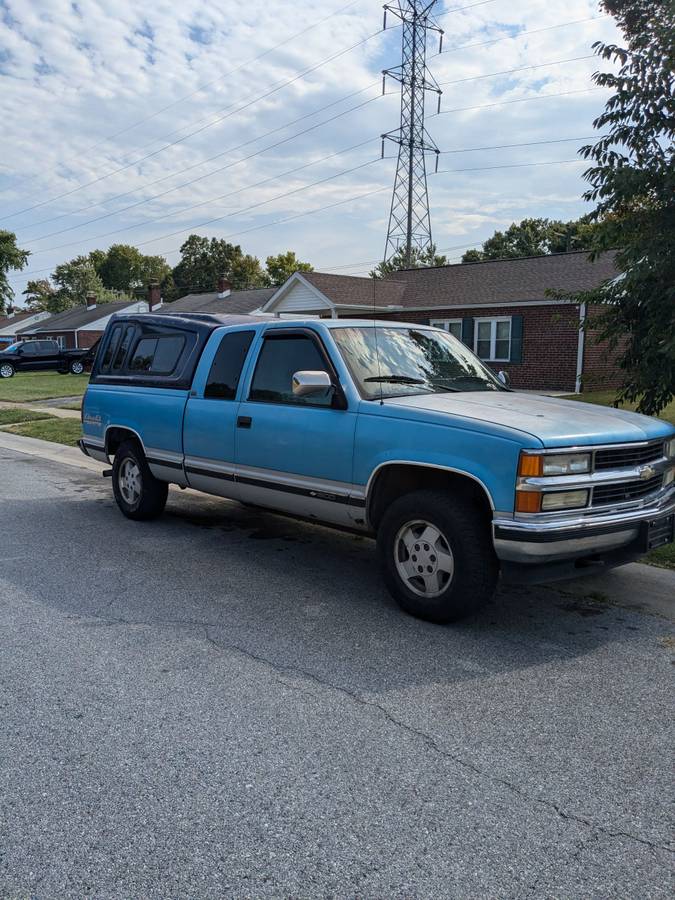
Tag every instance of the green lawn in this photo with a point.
(59, 431)
(663, 557)
(26, 386)
(10, 416)
(606, 398)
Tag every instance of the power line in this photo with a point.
(289, 193)
(208, 84)
(511, 37)
(231, 149)
(523, 144)
(519, 100)
(211, 200)
(217, 218)
(197, 131)
(215, 171)
(556, 62)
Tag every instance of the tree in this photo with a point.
(11, 258)
(41, 296)
(632, 181)
(204, 259)
(281, 267)
(75, 279)
(124, 268)
(535, 237)
(420, 259)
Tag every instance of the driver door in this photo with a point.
(294, 453)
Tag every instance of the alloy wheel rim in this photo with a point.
(78, 368)
(6, 371)
(423, 558)
(129, 481)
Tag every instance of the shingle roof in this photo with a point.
(235, 302)
(348, 289)
(13, 321)
(77, 317)
(491, 282)
(505, 280)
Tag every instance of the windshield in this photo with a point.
(11, 349)
(397, 362)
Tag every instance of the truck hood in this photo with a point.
(556, 423)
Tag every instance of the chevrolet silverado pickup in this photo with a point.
(392, 429)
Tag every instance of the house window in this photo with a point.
(492, 339)
(454, 326)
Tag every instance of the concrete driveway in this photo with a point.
(225, 703)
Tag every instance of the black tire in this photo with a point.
(467, 577)
(152, 494)
(7, 370)
(76, 367)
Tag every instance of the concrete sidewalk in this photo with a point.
(43, 408)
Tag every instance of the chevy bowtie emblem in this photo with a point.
(647, 472)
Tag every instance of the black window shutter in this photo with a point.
(516, 339)
(467, 331)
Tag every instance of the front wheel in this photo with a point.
(437, 556)
(76, 367)
(6, 370)
(138, 493)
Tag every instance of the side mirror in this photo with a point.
(307, 383)
(504, 377)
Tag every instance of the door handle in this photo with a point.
(244, 421)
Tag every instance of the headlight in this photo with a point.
(564, 500)
(670, 448)
(535, 464)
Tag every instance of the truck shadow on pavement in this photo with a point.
(297, 596)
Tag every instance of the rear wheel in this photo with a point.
(6, 370)
(437, 555)
(76, 367)
(138, 493)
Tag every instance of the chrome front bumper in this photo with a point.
(560, 539)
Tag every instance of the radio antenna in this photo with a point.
(377, 349)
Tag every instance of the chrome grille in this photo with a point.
(627, 457)
(623, 493)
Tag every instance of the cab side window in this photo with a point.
(227, 364)
(280, 358)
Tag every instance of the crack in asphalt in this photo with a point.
(430, 741)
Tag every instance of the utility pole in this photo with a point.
(409, 220)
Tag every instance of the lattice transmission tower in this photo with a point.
(409, 220)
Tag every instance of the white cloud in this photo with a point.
(77, 77)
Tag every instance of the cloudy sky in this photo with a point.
(260, 122)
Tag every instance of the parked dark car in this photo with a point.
(44, 356)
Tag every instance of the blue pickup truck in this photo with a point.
(393, 429)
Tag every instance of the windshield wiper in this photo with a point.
(396, 379)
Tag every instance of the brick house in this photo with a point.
(221, 301)
(13, 321)
(499, 308)
(81, 326)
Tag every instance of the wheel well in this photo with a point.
(116, 436)
(392, 481)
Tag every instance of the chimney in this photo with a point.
(224, 287)
(10, 312)
(90, 300)
(154, 296)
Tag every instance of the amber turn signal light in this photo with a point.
(528, 501)
(530, 466)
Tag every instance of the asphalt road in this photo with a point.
(225, 703)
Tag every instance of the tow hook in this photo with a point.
(107, 473)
